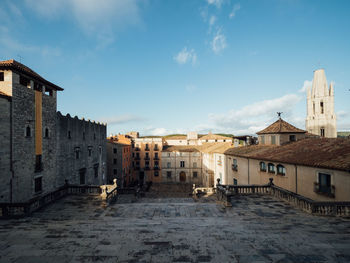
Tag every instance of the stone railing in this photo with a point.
(16, 210)
(225, 192)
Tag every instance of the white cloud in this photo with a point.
(217, 3)
(307, 83)
(191, 88)
(219, 42)
(186, 56)
(212, 20)
(121, 119)
(256, 116)
(236, 7)
(95, 17)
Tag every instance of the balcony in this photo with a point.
(324, 190)
(234, 167)
(156, 168)
(137, 149)
(156, 158)
(156, 149)
(146, 158)
(137, 168)
(147, 168)
(137, 157)
(147, 149)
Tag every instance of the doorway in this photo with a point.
(182, 177)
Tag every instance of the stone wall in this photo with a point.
(5, 148)
(81, 157)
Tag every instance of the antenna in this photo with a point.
(279, 114)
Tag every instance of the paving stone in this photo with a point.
(255, 229)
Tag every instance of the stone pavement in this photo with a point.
(255, 229)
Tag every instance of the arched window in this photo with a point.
(271, 168)
(28, 131)
(281, 170)
(262, 167)
(46, 133)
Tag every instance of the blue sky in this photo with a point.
(164, 66)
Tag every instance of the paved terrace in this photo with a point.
(255, 229)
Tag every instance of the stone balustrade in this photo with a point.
(225, 192)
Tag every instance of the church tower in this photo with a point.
(321, 119)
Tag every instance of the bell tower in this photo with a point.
(321, 119)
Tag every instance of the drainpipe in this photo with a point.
(296, 179)
(11, 151)
(248, 170)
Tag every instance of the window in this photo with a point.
(168, 174)
(1, 76)
(38, 163)
(156, 173)
(69, 135)
(115, 171)
(38, 184)
(24, 81)
(46, 133)
(234, 165)
(114, 161)
(83, 135)
(273, 139)
(94, 136)
(147, 163)
(168, 154)
(96, 170)
(281, 170)
(82, 175)
(156, 163)
(292, 138)
(262, 139)
(313, 108)
(100, 149)
(28, 132)
(324, 183)
(77, 154)
(48, 91)
(147, 155)
(168, 165)
(322, 108)
(182, 163)
(322, 132)
(271, 168)
(90, 151)
(194, 165)
(195, 174)
(114, 150)
(235, 182)
(262, 167)
(156, 155)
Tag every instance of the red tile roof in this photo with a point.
(281, 126)
(329, 153)
(18, 67)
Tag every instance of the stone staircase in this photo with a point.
(169, 190)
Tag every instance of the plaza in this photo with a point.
(257, 228)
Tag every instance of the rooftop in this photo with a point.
(280, 126)
(18, 67)
(256, 229)
(329, 153)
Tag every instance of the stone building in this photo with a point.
(81, 155)
(313, 167)
(182, 164)
(280, 132)
(119, 160)
(35, 159)
(147, 159)
(321, 118)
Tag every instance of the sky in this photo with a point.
(163, 66)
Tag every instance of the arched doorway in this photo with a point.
(182, 177)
